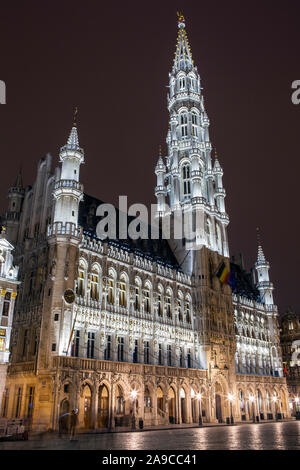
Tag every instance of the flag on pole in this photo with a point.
(225, 276)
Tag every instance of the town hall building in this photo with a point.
(169, 331)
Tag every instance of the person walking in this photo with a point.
(73, 423)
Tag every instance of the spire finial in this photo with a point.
(216, 153)
(258, 236)
(75, 117)
(159, 151)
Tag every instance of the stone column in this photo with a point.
(179, 405)
(154, 407)
(95, 407)
(112, 407)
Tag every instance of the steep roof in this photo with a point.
(156, 250)
(244, 284)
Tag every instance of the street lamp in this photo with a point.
(133, 396)
(199, 397)
(230, 398)
(251, 399)
(297, 407)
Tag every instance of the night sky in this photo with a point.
(112, 60)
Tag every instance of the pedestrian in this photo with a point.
(73, 423)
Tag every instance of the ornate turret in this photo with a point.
(68, 191)
(262, 267)
(12, 216)
(160, 191)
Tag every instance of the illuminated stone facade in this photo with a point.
(143, 328)
(290, 344)
(8, 292)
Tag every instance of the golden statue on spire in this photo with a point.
(181, 21)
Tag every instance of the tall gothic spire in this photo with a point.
(183, 55)
(19, 181)
(73, 142)
(260, 254)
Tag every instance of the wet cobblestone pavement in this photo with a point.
(266, 436)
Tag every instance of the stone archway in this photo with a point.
(119, 406)
(85, 408)
(103, 407)
(219, 402)
(242, 403)
(64, 416)
(160, 401)
(65, 406)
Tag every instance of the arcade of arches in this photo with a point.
(109, 404)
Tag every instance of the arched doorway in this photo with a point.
(242, 405)
(218, 402)
(160, 403)
(171, 405)
(183, 406)
(119, 406)
(103, 407)
(64, 416)
(87, 407)
(64, 406)
(218, 408)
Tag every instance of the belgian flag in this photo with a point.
(225, 276)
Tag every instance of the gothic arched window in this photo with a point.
(94, 283)
(186, 183)
(137, 294)
(159, 302)
(184, 124)
(111, 288)
(81, 278)
(147, 301)
(168, 303)
(181, 82)
(194, 124)
(122, 291)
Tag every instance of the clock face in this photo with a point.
(69, 296)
